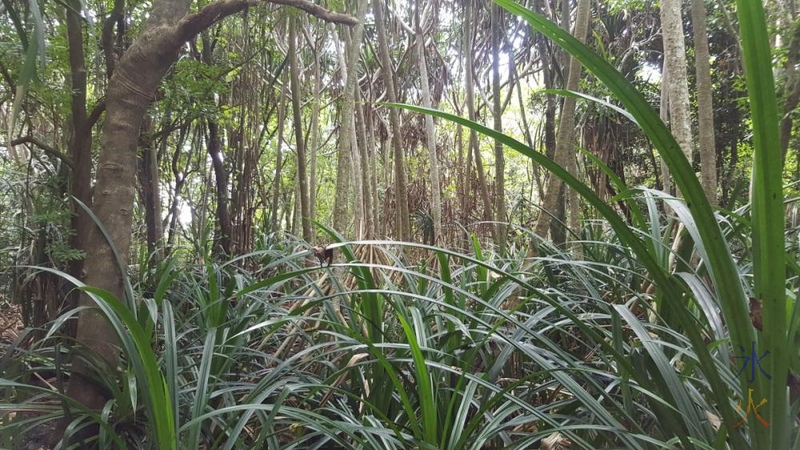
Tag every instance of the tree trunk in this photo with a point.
(677, 87)
(130, 91)
(151, 198)
(705, 106)
(663, 112)
(565, 145)
(403, 219)
(430, 130)
(497, 112)
(222, 232)
(276, 181)
(364, 173)
(473, 136)
(347, 135)
(294, 75)
(80, 144)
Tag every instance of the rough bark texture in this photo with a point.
(565, 141)
(430, 130)
(403, 220)
(678, 86)
(130, 90)
(705, 106)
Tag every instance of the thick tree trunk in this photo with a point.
(705, 106)
(403, 222)
(678, 86)
(130, 91)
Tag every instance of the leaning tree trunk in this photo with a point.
(130, 90)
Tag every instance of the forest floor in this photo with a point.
(10, 322)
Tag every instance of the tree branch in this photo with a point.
(193, 24)
(94, 116)
(46, 148)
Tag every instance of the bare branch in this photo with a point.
(193, 24)
(46, 148)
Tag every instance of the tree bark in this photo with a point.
(347, 137)
(497, 113)
(276, 181)
(294, 76)
(705, 106)
(565, 145)
(678, 86)
(403, 222)
(430, 130)
(473, 135)
(222, 232)
(130, 90)
(80, 144)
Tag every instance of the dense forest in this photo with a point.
(399, 224)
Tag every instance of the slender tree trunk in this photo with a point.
(80, 144)
(565, 145)
(402, 213)
(222, 231)
(315, 106)
(364, 172)
(705, 106)
(664, 114)
(151, 197)
(497, 112)
(473, 136)
(347, 136)
(276, 182)
(430, 130)
(294, 75)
